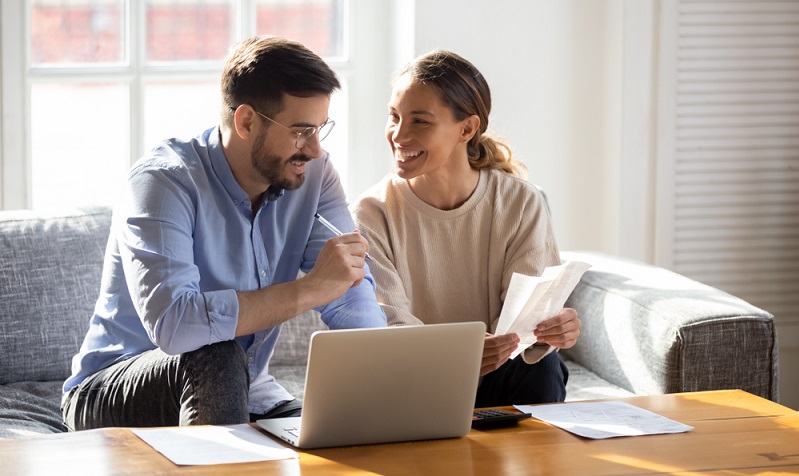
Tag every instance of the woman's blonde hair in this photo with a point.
(463, 89)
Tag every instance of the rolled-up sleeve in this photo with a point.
(356, 308)
(155, 233)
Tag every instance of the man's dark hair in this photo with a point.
(259, 70)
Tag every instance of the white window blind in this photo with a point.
(728, 155)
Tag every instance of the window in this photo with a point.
(97, 83)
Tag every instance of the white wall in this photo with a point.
(554, 67)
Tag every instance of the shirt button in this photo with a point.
(263, 272)
(249, 360)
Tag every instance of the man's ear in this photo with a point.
(243, 121)
(470, 127)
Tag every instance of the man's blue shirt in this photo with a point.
(184, 239)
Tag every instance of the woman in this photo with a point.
(456, 220)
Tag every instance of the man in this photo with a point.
(204, 252)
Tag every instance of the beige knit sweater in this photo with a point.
(439, 266)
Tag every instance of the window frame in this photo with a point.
(16, 78)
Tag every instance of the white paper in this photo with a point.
(599, 420)
(200, 445)
(532, 299)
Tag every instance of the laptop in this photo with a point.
(386, 385)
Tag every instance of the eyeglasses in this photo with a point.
(302, 137)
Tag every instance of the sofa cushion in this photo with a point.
(586, 385)
(295, 335)
(50, 267)
(30, 408)
(291, 377)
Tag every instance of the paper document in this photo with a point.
(532, 299)
(195, 445)
(599, 420)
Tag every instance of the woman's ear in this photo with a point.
(470, 126)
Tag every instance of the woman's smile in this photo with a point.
(404, 156)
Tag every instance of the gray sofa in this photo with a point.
(645, 330)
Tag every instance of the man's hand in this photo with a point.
(559, 331)
(339, 266)
(497, 350)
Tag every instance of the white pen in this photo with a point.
(332, 228)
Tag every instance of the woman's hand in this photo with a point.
(497, 351)
(560, 330)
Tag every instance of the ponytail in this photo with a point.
(487, 152)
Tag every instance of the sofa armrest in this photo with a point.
(652, 331)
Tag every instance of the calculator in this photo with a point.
(496, 418)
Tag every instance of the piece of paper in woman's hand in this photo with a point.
(532, 299)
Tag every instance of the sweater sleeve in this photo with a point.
(532, 249)
(372, 221)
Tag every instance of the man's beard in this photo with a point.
(271, 167)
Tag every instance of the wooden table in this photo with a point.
(735, 433)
